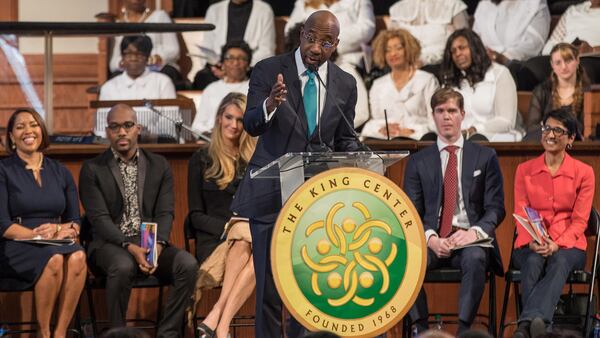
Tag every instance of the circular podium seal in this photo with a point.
(348, 253)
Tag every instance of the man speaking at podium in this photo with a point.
(291, 111)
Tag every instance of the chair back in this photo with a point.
(593, 223)
(188, 233)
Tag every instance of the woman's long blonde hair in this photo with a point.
(225, 165)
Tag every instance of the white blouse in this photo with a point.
(579, 21)
(357, 25)
(430, 21)
(408, 107)
(259, 34)
(516, 28)
(207, 107)
(491, 105)
(163, 44)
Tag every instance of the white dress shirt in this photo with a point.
(357, 25)
(408, 106)
(430, 21)
(579, 21)
(164, 44)
(259, 34)
(517, 29)
(491, 105)
(459, 217)
(208, 104)
(149, 85)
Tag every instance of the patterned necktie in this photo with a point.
(450, 192)
(310, 102)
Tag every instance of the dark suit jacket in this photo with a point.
(208, 205)
(482, 189)
(286, 131)
(101, 191)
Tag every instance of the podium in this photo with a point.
(348, 250)
(293, 169)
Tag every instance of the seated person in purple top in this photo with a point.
(55, 273)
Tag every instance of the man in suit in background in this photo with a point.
(119, 189)
(456, 187)
(285, 101)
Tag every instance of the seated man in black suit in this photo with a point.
(119, 189)
(456, 187)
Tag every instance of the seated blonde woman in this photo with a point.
(214, 174)
(404, 93)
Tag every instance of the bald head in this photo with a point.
(323, 19)
(121, 108)
(319, 38)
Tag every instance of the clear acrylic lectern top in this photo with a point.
(292, 169)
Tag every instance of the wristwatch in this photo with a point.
(125, 244)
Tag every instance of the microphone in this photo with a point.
(323, 147)
(350, 126)
(387, 125)
(178, 124)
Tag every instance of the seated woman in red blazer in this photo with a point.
(561, 189)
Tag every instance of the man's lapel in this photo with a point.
(469, 160)
(114, 169)
(294, 95)
(141, 179)
(434, 171)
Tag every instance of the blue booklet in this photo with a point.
(148, 241)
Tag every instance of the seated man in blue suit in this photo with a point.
(456, 187)
(290, 111)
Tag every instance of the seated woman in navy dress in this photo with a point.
(38, 199)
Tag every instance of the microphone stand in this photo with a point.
(178, 124)
(350, 126)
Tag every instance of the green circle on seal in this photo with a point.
(361, 258)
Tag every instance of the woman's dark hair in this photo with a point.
(237, 44)
(11, 125)
(141, 42)
(564, 116)
(451, 75)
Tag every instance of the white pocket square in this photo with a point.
(476, 173)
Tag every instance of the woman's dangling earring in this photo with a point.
(569, 146)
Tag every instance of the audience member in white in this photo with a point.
(235, 20)
(431, 22)
(404, 93)
(580, 23)
(236, 58)
(488, 88)
(255, 26)
(512, 29)
(137, 82)
(165, 51)
(357, 24)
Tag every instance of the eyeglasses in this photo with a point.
(134, 55)
(323, 43)
(115, 127)
(230, 58)
(558, 131)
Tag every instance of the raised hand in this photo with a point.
(278, 94)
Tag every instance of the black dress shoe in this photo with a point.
(523, 330)
(538, 327)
